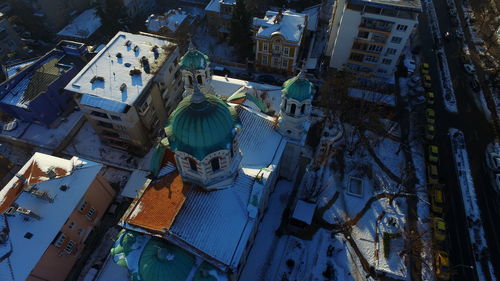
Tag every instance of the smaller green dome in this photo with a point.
(123, 246)
(194, 59)
(201, 124)
(298, 88)
(162, 261)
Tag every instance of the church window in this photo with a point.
(192, 164)
(302, 109)
(284, 106)
(215, 164)
(200, 80)
(292, 109)
(190, 80)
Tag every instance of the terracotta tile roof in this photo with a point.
(158, 206)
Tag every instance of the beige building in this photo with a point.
(219, 14)
(9, 39)
(49, 209)
(278, 40)
(128, 89)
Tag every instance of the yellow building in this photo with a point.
(278, 40)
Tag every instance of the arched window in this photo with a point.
(200, 80)
(284, 105)
(302, 109)
(215, 164)
(190, 80)
(192, 164)
(292, 109)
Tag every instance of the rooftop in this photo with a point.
(214, 5)
(170, 20)
(411, 5)
(116, 77)
(42, 206)
(226, 215)
(82, 26)
(289, 24)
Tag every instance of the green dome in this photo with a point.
(200, 125)
(194, 59)
(161, 261)
(123, 246)
(298, 88)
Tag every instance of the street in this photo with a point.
(478, 133)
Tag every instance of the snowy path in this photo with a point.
(475, 227)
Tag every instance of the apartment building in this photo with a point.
(48, 211)
(35, 93)
(219, 14)
(368, 36)
(9, 39)
(128, 89)
(279, 37)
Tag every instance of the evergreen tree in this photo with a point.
(112, 14)
(240, 35)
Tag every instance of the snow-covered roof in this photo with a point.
(312, 16)
(29, 237)
(289, 24)
(171, 20)
(269, 94)
(117, 75)
(214, 5)
(82, 26)
(14, 68)
(137, 180)
(226, 216)
(304, 211)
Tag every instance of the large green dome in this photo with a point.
(298, 88)
(194, 59)
(200, 127)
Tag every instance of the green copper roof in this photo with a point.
(298, 88)
(206, 272)
(161, 261)
(123, 246)
(155, 162)
(200, 126)
(194, 59)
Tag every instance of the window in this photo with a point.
(356, 57)
(60, 240)
(402, 27)
(302, 109)
(371, 59)
(381, 70)
(363, 34)
(105, 124)
(90, 213)
(276, 48)
(192, 164)
(396, 39)
(99, 114)
(117, 118)
(286, 51)
(83, 205)
(276, 62)
(293, 108)
(69, 246)
(378, 38)
(215, 164)
(200, 80)
(71, 225)
(284, 63)
(110, 134)
(375, 48)
(386, 61)
(265, 46)
(264, 59)
(190, 80)
(80, 232)
(390, 51)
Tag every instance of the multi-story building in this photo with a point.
(219, 14)
(174, 23)
(369, 36)
(128, 88)
(278, 40)
(35, 93)
(48, 211)
(9, 39)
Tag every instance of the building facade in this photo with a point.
(128, 89)
(50, 207)
(368, 36)
(35, 94)
(174, 23)
(279, 38)
(135, 8)
(219, 14)
(9, 39)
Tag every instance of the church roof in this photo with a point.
(194, 59)
(298, 88)
(201, 127)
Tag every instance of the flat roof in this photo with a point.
(30, 237)
(411, 5)
(82, 26)
(116, 76)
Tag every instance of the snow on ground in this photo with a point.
(87, 144)
(475, 227)
(211, 46)
(265, 242)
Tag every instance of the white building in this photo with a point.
(128, 89)
(368, 36)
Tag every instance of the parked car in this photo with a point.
(469, 68)
(410, 65)
(430, 132)
(430, 98)
(437, 201)
(474, 84)
(430, 113)
(432, 174)
(439, 228)
(221, 71)
(427, 81)
(433, 154)
(442, 263)
(266, 78)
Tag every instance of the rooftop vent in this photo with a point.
(28, 235)
(136, 48)
(97, 78)
(63, 187)
(43, 195)
(51, 173)
(11, 210)
(119, 55)
(123, 87)
(27, 213)
(135, 71)
(128, 43)
(155, 52)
